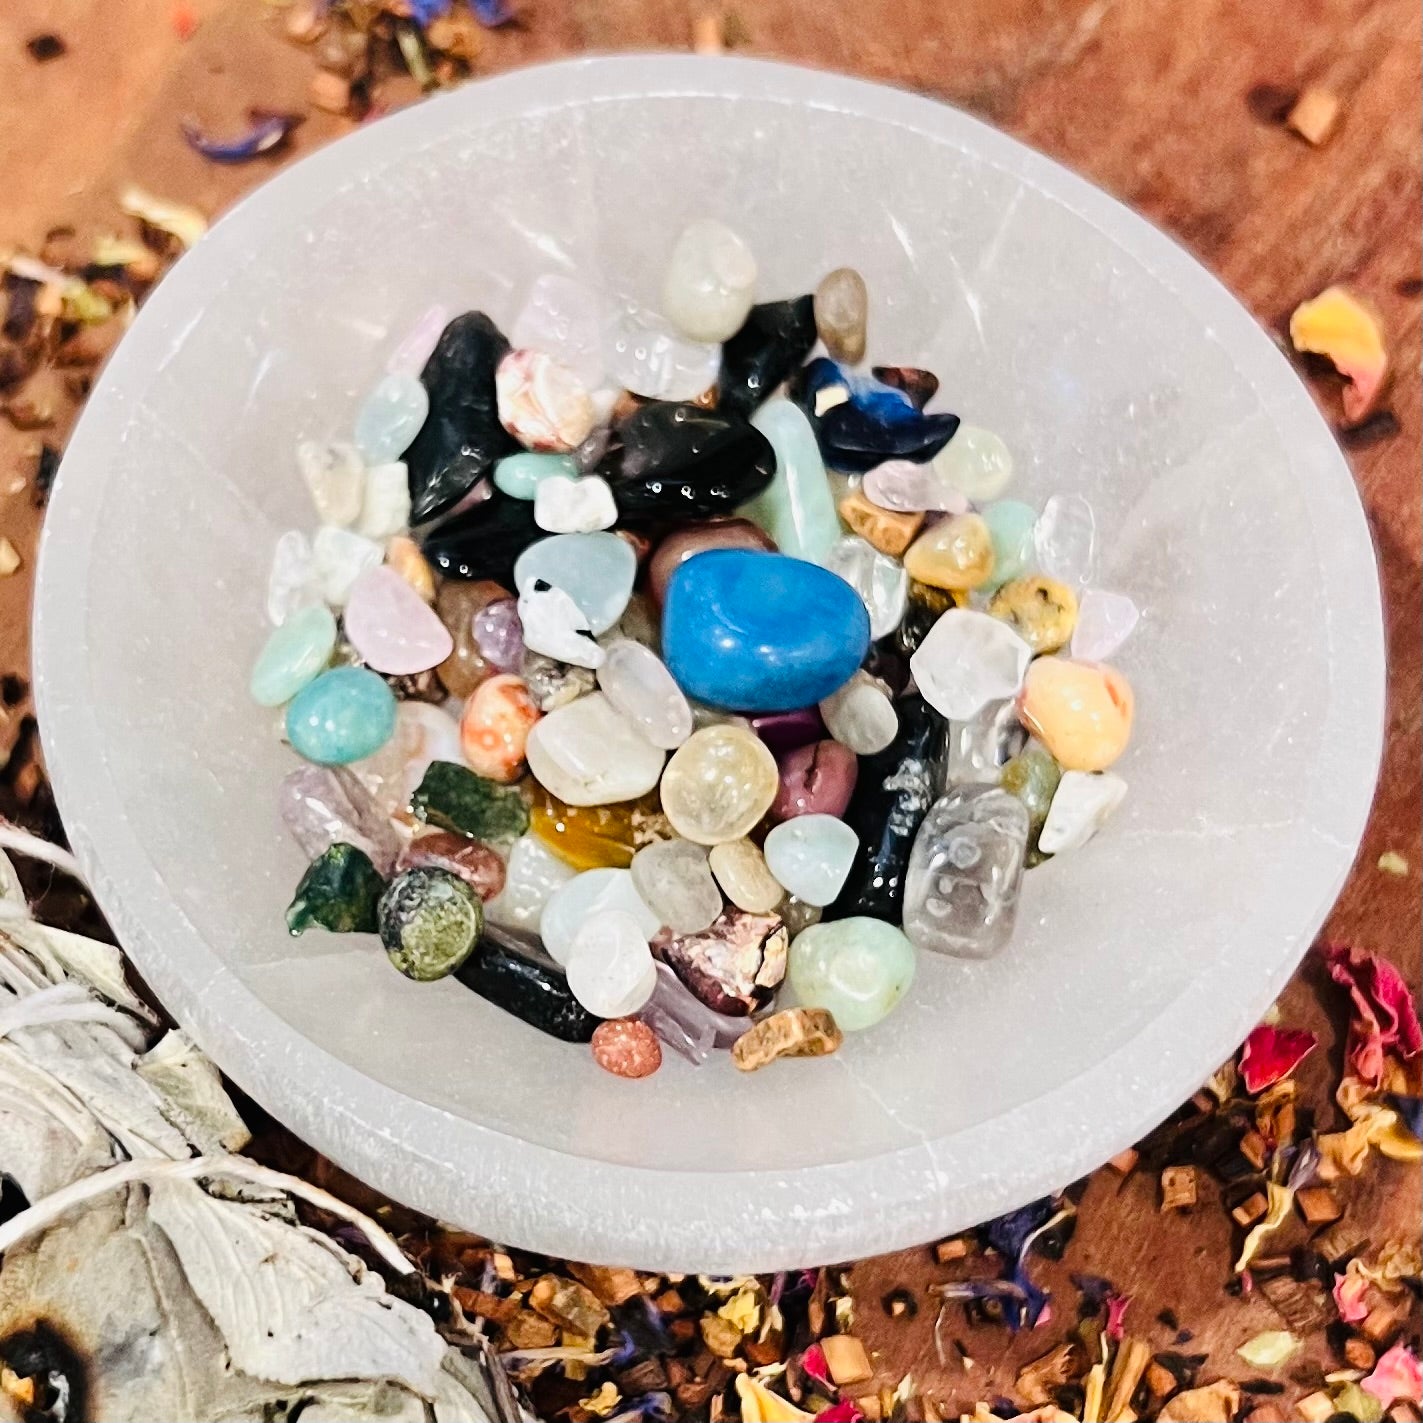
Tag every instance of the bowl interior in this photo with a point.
(1112, 365)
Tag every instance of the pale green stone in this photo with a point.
(1010, 524)
(976, 463)
(857, 969)
(391, 417)
(294, 654)
(797, 508)
(519, 476)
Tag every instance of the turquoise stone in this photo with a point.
(797, 509)
(761, 632)
(295, 653)
(519, 476)
(856, 969)
(595, 570)
(345, 715)
(1010, 523)
(391, 418)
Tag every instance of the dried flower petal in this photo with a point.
(492, 12)
(1281, 1198)
(602, 1403)
(265, 132)
(760, 1405)
(1272, 1053)
(1397, 1375)
(1116, 1315)
(185, 223)
(1269, 1349)
(846, 1411)
(1384, 1014)
(1335, 324)
(1349, 1293)
(813, 1362)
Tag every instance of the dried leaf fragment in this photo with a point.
(1269, 1349)
(1314, 115)
(1037, 1381)
(1215, 1403)
(185, 223)
(1337, 325)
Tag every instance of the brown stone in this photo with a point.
(888, 531)
(1314, 115)
(1178, 1188)
(793, 1032)
(626, 1047)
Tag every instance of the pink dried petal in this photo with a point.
(1272, 1053)
(1384, 1014)
(813, 1362)
(1337, 325)
(1116, 1314)
(846, 1411)
(1396, 1376)
(1349, 1291)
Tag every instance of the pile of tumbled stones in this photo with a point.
(643, 663)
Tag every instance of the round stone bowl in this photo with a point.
(1111, 363)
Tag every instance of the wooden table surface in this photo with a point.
(1165, 103)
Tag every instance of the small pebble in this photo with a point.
(554, 684)
(793, 1032)
(906, 487)
(956, 553)
(520, 475)
(596, 570)
(344, 715)
(626, 1047)
(1042, 611)
(880, 581)
(842, 306)
(1066, 539)
(531, 874)
(575, 900)
(610, 968)
(710, 281)
(542, 404)
(293, 581)
(1082, 805)
(553, 624)
(339, 558)
(647, 356)
(811, 855)
(588, 753)
(1081, 711)
(857, 969)
(336, 476)
(889, 532)
(1104, 622)
(718, 784)
(976, 463)
(499, 635)
(636, 681)
(1010, 525)
(391, 417)
(430, 921)
(815, 779)
(385, 507)
(494, 729)
(968, 660)
(861, 715)
(457, 604)
(477, 865)
(404, 556)
(295, 652)
(673, 879)
(392, 627)
(563, 318)
(740, 870)
(574, 506)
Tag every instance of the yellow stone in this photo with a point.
(595, 837)
(1081, 711)
(1039, 609)
(888, 531)
(718, 784)
(404, 556)
(937, 600)
(957, 553)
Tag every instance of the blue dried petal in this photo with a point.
(268, 131)
(1008, 1233)
(1410, 1111)
(425, 11)
(492, 12)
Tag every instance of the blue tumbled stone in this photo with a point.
(345, 715)
(761, 632)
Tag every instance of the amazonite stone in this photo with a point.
(294, 654)
(595, 570)
(520, 475)
(1010, 526)
(811, 856)
(857, 969)
(391, 417)
(344, 715)
(797, 508)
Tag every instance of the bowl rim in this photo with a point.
(477, 1176)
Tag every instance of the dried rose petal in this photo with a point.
(1396, 1376)
(813, 1362)
(1116, 1315)
(1272, 1053)
(1384, 1014)
(846, 1411)
(1349, 1291)
(1337, 325)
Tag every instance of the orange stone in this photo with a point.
(593, 837)
(494, 729)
